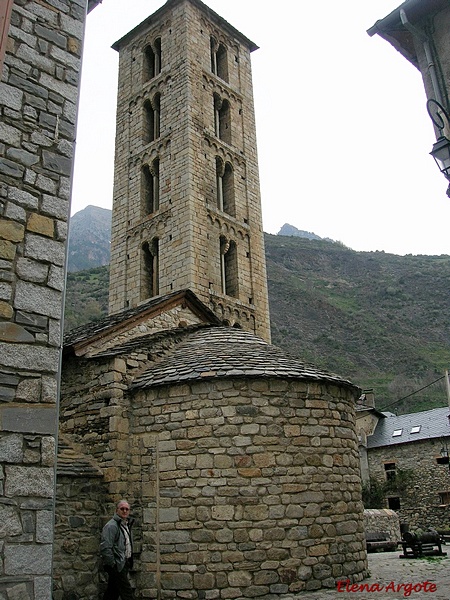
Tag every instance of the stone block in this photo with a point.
(28, 418)
(10, 523)
(7, 250)
(176, 581)
(10, 230)
(6, 310)
(41, 225)
(44, 249)
(222, 513)
(31, 270)
(11, 448)
(38, 299)
(27, 559)
(29, 482)
(44, 527)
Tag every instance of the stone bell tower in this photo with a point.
(187, 208)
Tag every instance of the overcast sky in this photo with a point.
(343, 133)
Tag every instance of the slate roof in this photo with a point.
(227, 352)
(128, 316)
(170, 5)
(427, 424)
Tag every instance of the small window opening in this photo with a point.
(394, 503)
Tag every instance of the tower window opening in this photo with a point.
(150, 188)
(222, 119)
(219, 59)
(229, 267)
(151, 124)
(150, 269)
(152, 60)
(225, 187)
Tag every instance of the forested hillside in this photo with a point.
(379, 319)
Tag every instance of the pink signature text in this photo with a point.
(406, 588)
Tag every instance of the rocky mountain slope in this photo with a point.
(89, 238)
(381, 320)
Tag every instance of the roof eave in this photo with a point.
(212, 15)
(391, 28)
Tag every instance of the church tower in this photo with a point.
(187, 207)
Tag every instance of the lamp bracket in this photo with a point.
(436, 112)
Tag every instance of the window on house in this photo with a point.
(150, 188)
(444, 498)
(222, 122)
(150, 269)
(151, 124)
(397, 432)
(390, 471)
(394, 503)
(152, 60)
(229, 267)
(415, 429)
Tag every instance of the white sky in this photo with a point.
(343, 132)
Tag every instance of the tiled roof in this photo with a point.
(227, 352)
(410, 428)
(103, 326)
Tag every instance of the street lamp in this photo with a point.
(441, 148)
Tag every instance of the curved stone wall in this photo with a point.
(247, 487)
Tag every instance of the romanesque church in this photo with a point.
(240, 462)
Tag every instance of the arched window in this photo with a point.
(229, 267)
(150, 269)
(151, 118)
(152, 60)
(222, 119)
(150, 188)
(228, 190)
(219, 59)
(225, 187)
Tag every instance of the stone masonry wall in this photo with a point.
(76, 565)
(420, 504)
(188, 223)
(249, 488)
(38, 105)
(380, 520)
(239, 487)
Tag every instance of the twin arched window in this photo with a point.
(151, 119)
(225, 187)
(150, 269)
(150, 188)
(222, 119)
(152, 60)
(229, 267)
(219, 59)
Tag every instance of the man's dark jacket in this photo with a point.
(112, 545)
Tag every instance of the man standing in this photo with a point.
(116, 548)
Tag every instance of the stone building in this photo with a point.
(419, 31)
(40, 58)
(409, 456)
(187, 209)
(241, 463)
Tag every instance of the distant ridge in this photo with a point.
(290, 230)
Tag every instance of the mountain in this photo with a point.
(378, 319)
(89, 238)
(289, 230)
